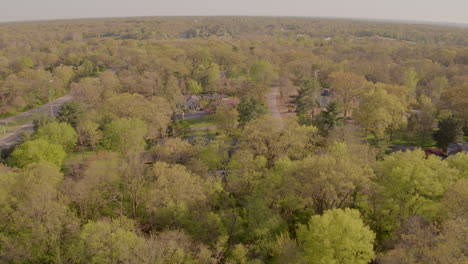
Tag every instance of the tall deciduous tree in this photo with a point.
(334, 179)
(261, 73)
(96, 191)
(409, 184)
(125, 135)
(348, 86)
(35, 151)
(35, 222)
(213, 78)
(226, 118)
(379, 111)
(103, 242)
(62, 134)
(194, 87)
(337, 236)
(410, 80)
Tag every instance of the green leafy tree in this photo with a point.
(348, 86)
(226, 117)
(408, 184)
(436, 87)
(87, 69)
(89, 133)
(194, 87)
(102, 242)
(250, 109)
(335, 179)
(35, 151)
(216, 154)
(455, 201)
(338, 236)
(174, 247)
(379, 111)
(96, 191)
(125, 135)
(213, 78)
(460, 162)
(35, 222)
(173, 150)
(58, 133)
(181, 128)
(64, 74)
(156, 113)
(450, 131)
(70, 113)
(411, 79)
(427, 243)
(262, 72)
(171, 193)
(26, 63)
(425, 119)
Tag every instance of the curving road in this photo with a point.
(24, 121)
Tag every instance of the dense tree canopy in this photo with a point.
(337, 236)
(167, 151)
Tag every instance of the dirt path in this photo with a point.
(23, 122)
(273, 103)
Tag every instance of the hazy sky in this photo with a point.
(420, 10)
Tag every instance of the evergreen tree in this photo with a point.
(306, 99)
(328, 119)
(250, 109)
(450, 131)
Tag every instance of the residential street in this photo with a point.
(273, 102)
(24, 121)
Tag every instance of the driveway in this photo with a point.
(273, 102)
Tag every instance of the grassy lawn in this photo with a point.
(211, 133)
(206, 120)
(402, 138)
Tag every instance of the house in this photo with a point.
(453, 148)
(435, 151)
(325, 97)
(192, 102)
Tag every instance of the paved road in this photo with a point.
(273, 104)
(14, 137)
(56, 104)
(24, 122)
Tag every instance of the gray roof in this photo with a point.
(453, 148)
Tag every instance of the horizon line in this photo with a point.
(363, 19)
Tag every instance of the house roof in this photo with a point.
(454, 148)
(435, 151)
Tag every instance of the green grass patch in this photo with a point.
(204, 133)
(206, 120)
(405, 139)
